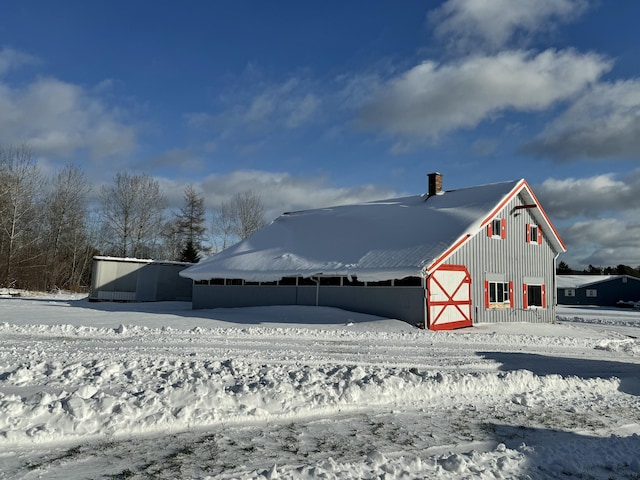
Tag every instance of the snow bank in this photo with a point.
(56, 400)
(172, 393)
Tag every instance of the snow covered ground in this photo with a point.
(156, 390)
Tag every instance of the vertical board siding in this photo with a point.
(513, 257)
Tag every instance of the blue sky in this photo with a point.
(312, 104)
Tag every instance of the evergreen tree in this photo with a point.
(190, 223)
(563, 269)
(189, 253)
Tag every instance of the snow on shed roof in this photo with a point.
(579, 281)
(377, 240)
(106, 258)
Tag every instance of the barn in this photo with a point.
(601, 290)
(138, 280)
(443, 260)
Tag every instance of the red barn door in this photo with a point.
(449, 298)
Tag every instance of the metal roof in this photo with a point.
(379, 240)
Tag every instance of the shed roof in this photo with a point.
(579, 281)
(105, 258)
(378, 240)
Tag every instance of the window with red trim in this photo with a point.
(534, 234)
(497, 228)
(498, 294)
(535, 296)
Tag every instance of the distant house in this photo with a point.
(602, 290)
(445, 259)
(137, 280)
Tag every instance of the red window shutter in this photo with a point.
(525, 300)
(503, 228)
(528, 233)
(540, 241)
(544, 297)
(486, 294)
(511, 294)
(490, 229)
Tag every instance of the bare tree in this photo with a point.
(20, 188)
(66, 243)
(171, 237)
(43, 224)
(239, 219)
(222, 227)
(132, 214)
(248, 212)
(190, 223)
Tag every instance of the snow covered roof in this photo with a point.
(378, 240)
(579, 281)
(138, 260)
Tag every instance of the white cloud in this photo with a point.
(301, 111)
(597, 218)
(198, 119)
(589, 197)
(469, 25)
(57, 118)
(484, 147)
(282, 192)
(605, 242)
(289, 104)
(603, 123)
(354, 91)
(261, 106)
(610, 233)
(432, 99)
(178, 158)
(255, 111)
(11, 59)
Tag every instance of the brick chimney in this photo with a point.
(435, 183)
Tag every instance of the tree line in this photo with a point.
(52, 225)
(564, 269)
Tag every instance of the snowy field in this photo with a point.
(158, 391)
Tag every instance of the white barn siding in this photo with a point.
(513, 259)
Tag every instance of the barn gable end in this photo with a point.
(509, 267)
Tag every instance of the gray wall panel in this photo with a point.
(403, 303)
(131, 280)
(217, 296)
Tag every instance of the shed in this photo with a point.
(138, 280)
(444, 259)
(601, 290)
